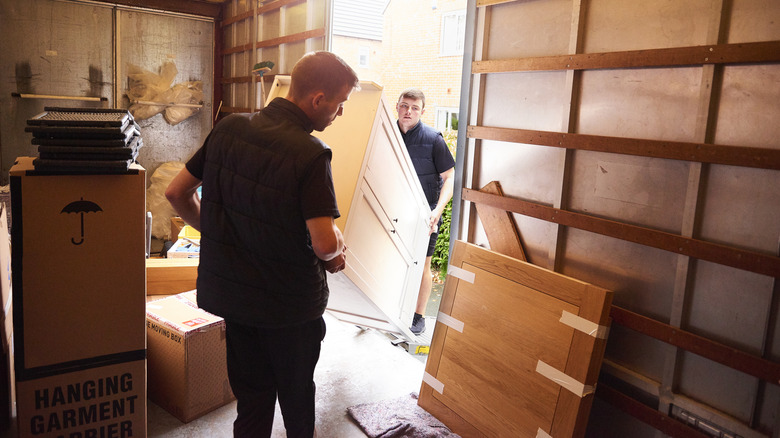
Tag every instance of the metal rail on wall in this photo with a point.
(57, 97)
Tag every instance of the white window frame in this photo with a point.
(453, 33)
(444, 117)
(364, 54)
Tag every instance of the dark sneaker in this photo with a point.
(418, 325)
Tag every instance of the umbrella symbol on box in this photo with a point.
(81, 207)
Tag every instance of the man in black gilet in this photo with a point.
(268, 237)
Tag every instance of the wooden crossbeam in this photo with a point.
(673, 150)
(700, 249)
(699, 345)
(742, 53)
(647, 414)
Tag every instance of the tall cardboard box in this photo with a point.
(186, 353)
(78, 257)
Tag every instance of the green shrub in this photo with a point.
(441, 252)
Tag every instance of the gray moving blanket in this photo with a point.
(400, 417)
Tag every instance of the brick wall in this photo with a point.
(411, 58)
(349, 49)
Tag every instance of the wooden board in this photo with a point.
(171, 276)
(511, 315)
(499, 225)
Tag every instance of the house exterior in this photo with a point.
(423, 48)
(405, 43)
(357, 36)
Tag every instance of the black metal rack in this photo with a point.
(85, 139)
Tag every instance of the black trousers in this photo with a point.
(266, 363)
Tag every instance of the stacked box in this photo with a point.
(177, 224)
(186, 353)
(187, 241)
(78, 257)
(184, 247)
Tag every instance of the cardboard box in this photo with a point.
(171, 276)
(189, 232)
(184, 248)
(177, 224)
(186, 355)
(191, 296)
(180, 229)
(107, 401)
(78, 251)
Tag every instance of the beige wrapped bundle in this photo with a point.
(147, 90)
(184, 100)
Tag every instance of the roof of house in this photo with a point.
(358, 18)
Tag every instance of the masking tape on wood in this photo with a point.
(461, 273)
(542, 434)
(433, 383)
(577, 388)
(450, 321)
(588, 327)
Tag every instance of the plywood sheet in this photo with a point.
(504, 332)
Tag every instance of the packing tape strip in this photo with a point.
(461, 273)
(450, 321)
(433, 383)
(577, 388)
(542, 434)
(588, 327)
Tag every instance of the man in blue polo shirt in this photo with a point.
(435, 169)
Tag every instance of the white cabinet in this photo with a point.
(383, 209)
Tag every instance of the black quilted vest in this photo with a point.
(257, 265)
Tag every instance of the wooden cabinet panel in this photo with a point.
(377, 261)
(386, 178)
(516, 350)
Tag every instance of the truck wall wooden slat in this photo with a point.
(260, 11)
(287, 39)
(730, 256)
(281, 32)
(732, 155)
(768, 51)
(731, 357)
(647, 414)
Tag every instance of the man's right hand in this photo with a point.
(337, 263)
